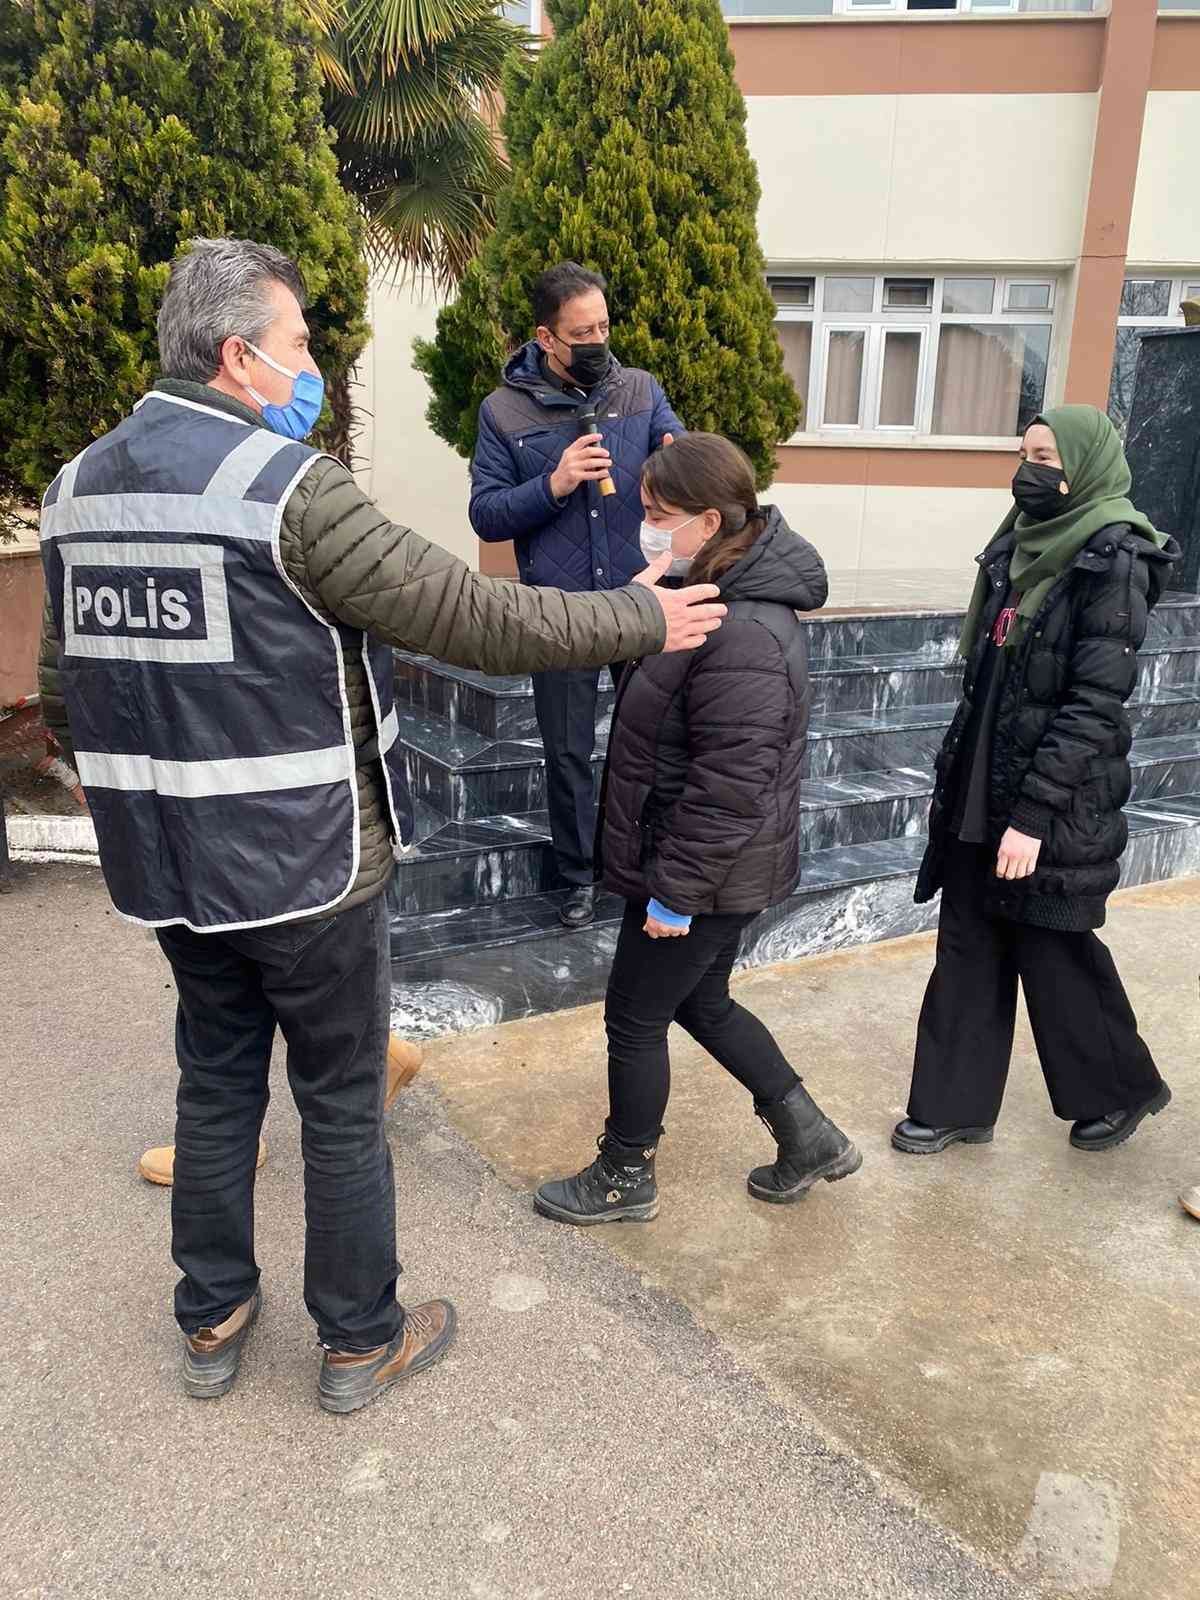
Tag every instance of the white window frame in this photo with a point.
(535, 16)
(1179, 282)
(875, 325)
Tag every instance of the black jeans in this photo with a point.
(1092, 1056)
(655, 982)
(327, 986)
(565, 702)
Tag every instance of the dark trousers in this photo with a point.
(655, 982)
(565, 703)
(326, 984)
(1087, 1038)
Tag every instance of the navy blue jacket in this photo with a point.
(588, 541)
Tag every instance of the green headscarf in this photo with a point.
(1097, 473)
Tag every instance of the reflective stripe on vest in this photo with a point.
(207, 698)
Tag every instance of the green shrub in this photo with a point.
(126, 128)
(628, 150)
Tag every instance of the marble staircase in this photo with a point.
(475, 932)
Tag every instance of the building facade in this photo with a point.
(970, 209)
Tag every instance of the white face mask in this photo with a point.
(655, 541)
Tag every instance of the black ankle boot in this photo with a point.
(810, 1148)
(618, 1187)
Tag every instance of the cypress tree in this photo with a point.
(628, 150)
(126, 128)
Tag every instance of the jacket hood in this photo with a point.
(779, 566)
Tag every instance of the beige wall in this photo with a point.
(1165, 228)
(415, 478)
(877, 527)
(922, 178)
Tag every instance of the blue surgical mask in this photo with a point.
(299, 417)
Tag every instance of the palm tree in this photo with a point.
(411, 90)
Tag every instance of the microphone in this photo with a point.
(586, 423)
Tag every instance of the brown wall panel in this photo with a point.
(1176, 61)
(903, 469)
(1054, 56)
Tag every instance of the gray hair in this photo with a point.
(218, 289)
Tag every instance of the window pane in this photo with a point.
(792, 291)
(796, 340)
(969, 297)
(849, 294)
(932, 5)
(901, 368)
(518, 11)
(908, 294)
(1124, 370)
(1146, 297)
(843, 380)
(991, 378)
(1191, 291)
(1028, 297)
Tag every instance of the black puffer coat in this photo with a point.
(1060, 750)
(701, 805)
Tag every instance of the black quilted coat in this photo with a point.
(701, 805)
(1060, 752)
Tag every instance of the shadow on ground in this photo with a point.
(1011, 1332)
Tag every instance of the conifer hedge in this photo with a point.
(628, 149)
(126, 128)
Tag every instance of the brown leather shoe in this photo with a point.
(403, 1064)
(158, 1165)
(211, 1356)
(1190, 1201)
(352, 1379)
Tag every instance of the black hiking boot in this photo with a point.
(618, 1187)
(919, 1139)
(810, 1148)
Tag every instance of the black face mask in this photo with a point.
(1040, 492)
(589, 363)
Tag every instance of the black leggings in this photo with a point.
(1092, 1056)
(656, 981)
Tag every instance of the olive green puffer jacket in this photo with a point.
(350, 562)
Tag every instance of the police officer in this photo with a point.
(222, 599)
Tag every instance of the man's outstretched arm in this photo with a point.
(374, 574)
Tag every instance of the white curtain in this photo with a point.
(843, 379)
(978, 388)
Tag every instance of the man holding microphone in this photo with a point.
(557, 470)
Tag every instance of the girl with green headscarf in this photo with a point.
(1026, 828)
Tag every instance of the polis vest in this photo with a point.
(206, 697)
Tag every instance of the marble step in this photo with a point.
(501, 710)
(481, 965)
(500, 858)
(936, 631)
(465, 776)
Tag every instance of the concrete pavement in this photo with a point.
(796, 1402)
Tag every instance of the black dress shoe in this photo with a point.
(1117, 1126)
(915, 1139)
(578, 909)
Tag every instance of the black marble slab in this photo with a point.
(445, 984)
(1162, 442)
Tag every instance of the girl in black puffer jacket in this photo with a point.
(1026, 831)
(699, 831)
